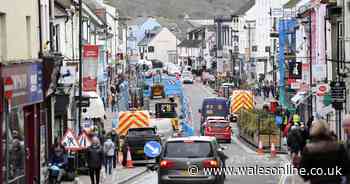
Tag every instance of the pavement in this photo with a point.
(120, 175)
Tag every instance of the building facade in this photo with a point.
(21, 121)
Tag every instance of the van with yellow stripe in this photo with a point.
(238, 100)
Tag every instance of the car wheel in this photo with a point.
(229, 141)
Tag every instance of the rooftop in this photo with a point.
(190, 43)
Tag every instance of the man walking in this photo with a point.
(109, 149)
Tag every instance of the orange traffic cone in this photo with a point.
(129, 163)
(260, 150)
(273, 150)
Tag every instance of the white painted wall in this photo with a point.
(261, 36)
(18, 34)
(163, 42)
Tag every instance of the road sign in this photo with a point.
(338, 93)
(152, 149)
(322, 89)
(8, 87)
(69, 142)
(84, 141)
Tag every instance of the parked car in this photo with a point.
(220, 129)
(174, 70)
(180, 153)
(187, 77)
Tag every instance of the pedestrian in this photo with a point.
(17, 158)
(272, 89)
(113, 102)
(309, 123)
(325, 154)
(115, 139)
(295, 144)
(109, 150)
(346, 127)
(59, 158)
(95, 160)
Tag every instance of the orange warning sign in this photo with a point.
(132, 119)
(241, 99)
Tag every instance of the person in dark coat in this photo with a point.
(59, 158)
(95, 160)
(346, 127)
(17, 158)
(323, 152)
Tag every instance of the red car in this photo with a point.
(220, 129)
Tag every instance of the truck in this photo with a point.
(135, 140)
(240, 99)
(157, 88)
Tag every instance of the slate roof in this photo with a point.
(245, 8)
(291, 3)
(190, 43)
(150, 36)
(60, 10)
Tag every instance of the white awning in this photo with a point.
(96, 108)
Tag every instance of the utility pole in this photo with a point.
(80, 63)
(248, 27)
(310, 68)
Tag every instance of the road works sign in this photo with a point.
(84, 141)
(69, 141)
(241, 99)
(132, 119)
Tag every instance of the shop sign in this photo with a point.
(27, 81)
(90, 66)
(295, 85)
(322, 89)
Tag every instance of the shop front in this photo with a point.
(21, 122)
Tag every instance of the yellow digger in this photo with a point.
(157, 89)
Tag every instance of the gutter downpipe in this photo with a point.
(40, 31)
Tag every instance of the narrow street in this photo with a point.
(239, 154)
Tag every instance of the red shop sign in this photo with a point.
(90, 51)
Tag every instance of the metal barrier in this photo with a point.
(260, 127)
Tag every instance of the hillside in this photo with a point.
(176, 9)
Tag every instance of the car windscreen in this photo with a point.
(215, 110)
(141, 132)
(190, 149)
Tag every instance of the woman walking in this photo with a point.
(323, 153)
(95, 160)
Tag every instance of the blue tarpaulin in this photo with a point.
(187, 129)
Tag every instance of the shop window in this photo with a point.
(29, 36)
(15, 159)
(255, 48)
(2, 36)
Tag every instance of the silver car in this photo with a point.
(180, 154)
(187, 77)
